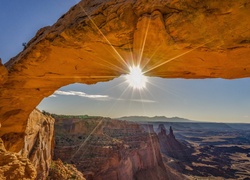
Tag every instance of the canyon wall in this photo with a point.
(109, 149)
(39, 142)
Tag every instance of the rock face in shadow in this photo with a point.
(93, 42)
(170, 146)
(13, 166)
(109, 149)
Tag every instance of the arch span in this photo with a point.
(97, 41)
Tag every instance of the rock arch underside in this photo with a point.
(97, 39)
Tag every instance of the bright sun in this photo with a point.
(135, 78)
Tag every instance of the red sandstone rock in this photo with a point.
(116, 150)
(39, 142)
(60, 171)
(14, 166)
(3, 73)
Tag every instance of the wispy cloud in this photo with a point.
(143, 100)
(79, 93)
(97, 96)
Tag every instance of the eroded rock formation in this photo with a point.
(94, 40)
(14, 166)
(60, 171)
(38, 145)
(170, 146)
(109, 149)
(39, 142)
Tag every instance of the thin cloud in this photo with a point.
(52, 96)
(97, 96)
(138, 100)
(80, 94)
(143, 100)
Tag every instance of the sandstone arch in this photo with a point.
(212, 37)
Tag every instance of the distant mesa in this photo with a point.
(155, 119)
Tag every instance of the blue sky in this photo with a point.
(205, 100)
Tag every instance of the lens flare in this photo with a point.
(135, 78)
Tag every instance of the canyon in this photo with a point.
(202, 150)
(86, 147)
(80, 147)
(104, 148)
(92, 148)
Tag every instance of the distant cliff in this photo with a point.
(154, 119)
(109, 149)
(170, 146)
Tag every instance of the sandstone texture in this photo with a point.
(109, 149)
(60, 171)
(38, 143)
(97, 40)
(3, 73)
(14, 166)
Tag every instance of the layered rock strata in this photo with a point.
(109, 149)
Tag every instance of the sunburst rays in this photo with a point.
(135, 60)
(122, 60)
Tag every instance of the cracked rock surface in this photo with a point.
(96, 40)
(14, 166)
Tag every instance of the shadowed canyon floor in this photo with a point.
(214, 150)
